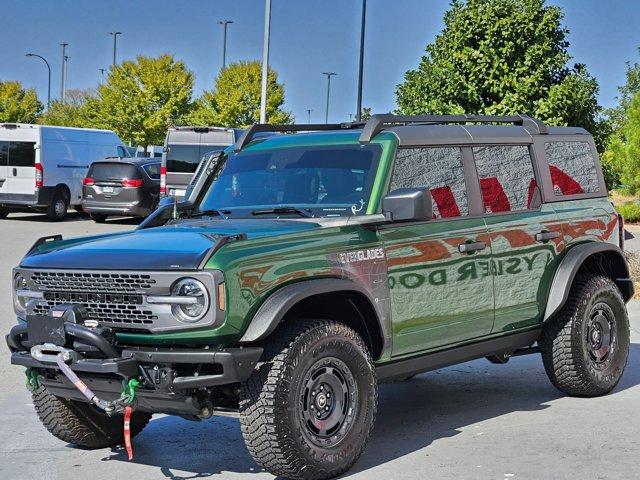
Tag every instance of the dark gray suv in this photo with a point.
(123, 187)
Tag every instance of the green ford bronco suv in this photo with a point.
(302, 269)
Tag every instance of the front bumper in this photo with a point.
(170, 391)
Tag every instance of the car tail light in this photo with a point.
(39, 175)
(163, 180)
(132, 182)
(88, 181)
(621, 231)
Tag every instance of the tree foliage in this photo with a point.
(235, 98)
(17, 104)
(75, 111)
(622, 157)
(142, 98)
(502, 57)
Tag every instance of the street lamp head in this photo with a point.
(29, 55)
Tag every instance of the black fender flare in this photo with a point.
(571, 263)
(276, 306)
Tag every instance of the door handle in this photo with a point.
(544, 236)
(15, 172)
(471, 247)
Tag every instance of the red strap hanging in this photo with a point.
(127, 432)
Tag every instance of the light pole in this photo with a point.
(64, 70)
(329, 75)
(361, 63)
(309, 110)
(115, 41)
(101, 70)
(48, 78)
(265, 61)
(224, 24)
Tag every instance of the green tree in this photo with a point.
(623, 153)
(235, 98)
(18, 105)
(503, 57)
(73, 112)
(142, 98)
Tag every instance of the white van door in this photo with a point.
(4, 169)
(21, 168)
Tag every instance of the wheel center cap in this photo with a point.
(321, 400)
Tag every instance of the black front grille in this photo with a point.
(92, 282)
(105, 313)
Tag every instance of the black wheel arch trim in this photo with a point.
(271, 313)
(571, 263)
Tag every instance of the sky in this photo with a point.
(308, 37)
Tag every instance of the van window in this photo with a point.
(438, 169)
(22, 154)
(506, 177)
(122, 152)
(153, 170)
(4, 154)
(185, 158)
(572, 167)
(107, 171)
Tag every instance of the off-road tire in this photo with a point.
(99, 217)
(565, 341)
(57, 211)
(80, 423)
(271, 401)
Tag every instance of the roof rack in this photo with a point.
(256, 128)
(378, 122)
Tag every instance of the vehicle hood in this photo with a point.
(183, 246)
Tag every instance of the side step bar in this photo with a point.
(451, 356)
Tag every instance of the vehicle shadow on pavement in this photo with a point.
(411, 416)
(40, 217)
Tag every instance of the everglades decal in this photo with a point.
(361, 255)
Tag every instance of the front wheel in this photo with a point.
(308, 409)
(585, 347)
(3, 213)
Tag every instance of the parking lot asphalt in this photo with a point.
(471, 421)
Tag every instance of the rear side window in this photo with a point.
(112, 172)
(438, 169)
(185, 158)
(153, 170)
(506, 177)
(4, 154)
(572, 167)
(22, 154)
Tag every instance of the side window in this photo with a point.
(22, 154)
(122, 152)
(153, 170)
(572, 167)
(440, 170)
(4, 154)
(506, 177)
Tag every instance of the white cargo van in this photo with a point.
(42, 167)
(184, 147)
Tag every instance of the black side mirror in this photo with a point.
(408, 205)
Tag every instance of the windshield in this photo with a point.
(320, 181)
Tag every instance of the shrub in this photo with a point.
(630, 211)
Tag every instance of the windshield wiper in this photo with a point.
(211, 211)
(304, 212)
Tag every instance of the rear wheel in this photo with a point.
(99, 217)
(585, 347)
(58, 209)
(3, 213)
(80, 423)
(308, 409)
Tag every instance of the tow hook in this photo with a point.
(120, 405)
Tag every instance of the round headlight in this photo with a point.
(19, 303)
(197, 305)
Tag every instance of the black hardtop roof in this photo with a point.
(415, 130)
